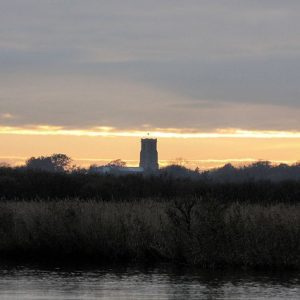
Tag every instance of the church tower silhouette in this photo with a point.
(149, 155)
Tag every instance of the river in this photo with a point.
(136, 282)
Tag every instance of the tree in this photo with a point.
(40, 163)
(61, 162)
(177, 171)
(4, 165)
(180, 161)
(118, 163)
(54, 163)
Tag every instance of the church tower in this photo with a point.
(149, 155)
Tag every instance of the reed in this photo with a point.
(187, 230)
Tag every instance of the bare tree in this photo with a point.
(117, 163)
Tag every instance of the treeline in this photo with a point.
(261, 170)
(23, 183)
(54, 177)
(257, 171)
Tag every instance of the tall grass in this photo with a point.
(190, 231)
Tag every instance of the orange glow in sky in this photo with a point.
(100, 145)
(158, 133)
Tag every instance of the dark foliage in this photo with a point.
(23, 183)
(54, 163)
(189, 231)
(261, 170)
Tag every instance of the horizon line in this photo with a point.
(216, 163)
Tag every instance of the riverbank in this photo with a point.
(189, 231)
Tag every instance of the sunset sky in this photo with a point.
(215, 81)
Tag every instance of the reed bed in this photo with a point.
(184, 231)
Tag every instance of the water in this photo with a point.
(143, 283)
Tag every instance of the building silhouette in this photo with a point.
(148, 161)
(149, 155)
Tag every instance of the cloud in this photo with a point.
(196, 64)
(185, 133)
(76, 102)
(6, 116)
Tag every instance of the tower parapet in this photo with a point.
(149, 155)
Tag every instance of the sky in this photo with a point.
(213, 80)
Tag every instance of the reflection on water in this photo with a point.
(144, 283)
